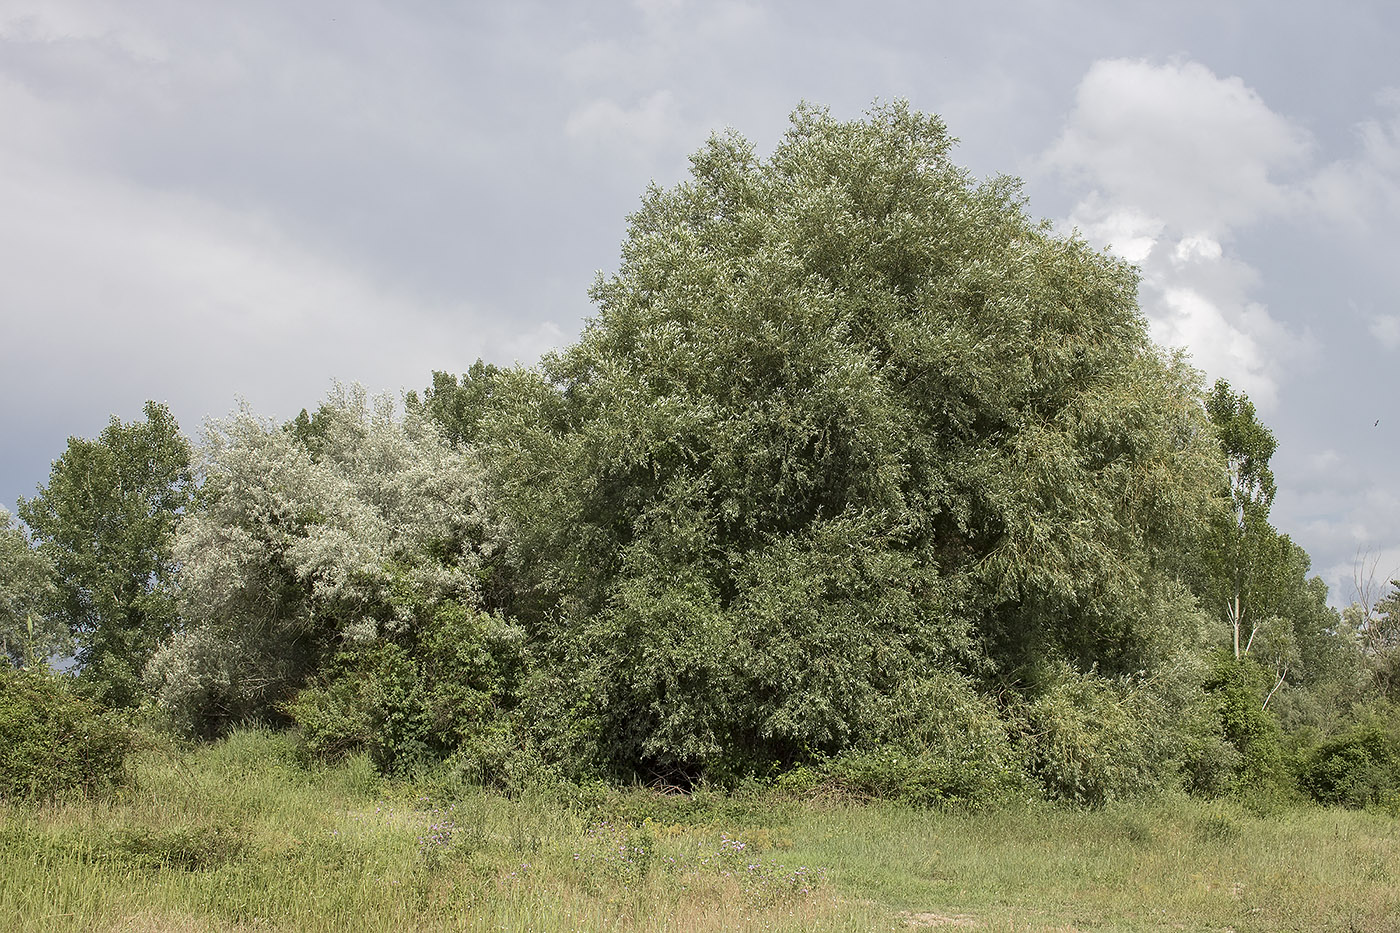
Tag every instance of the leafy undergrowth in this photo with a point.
(242, 836)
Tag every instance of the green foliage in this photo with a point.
(1378, 635)
(53, 742)
(844, 418)
(1385, 624)
(349, 532)
(1238, 687)
(414, 700)
(1253, 579)
(1359, 768)
(1294, 664)
(1248, 446)
(30, 631)
(503, 756)
(1089, 741)
(106, 522)
(181, 848)
(946, 744)
(333, 719)
(205, 681)
(918, 778)
(456, 406)
(859, 472)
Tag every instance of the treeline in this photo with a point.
(859, 475)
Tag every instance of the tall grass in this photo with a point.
(244, 836)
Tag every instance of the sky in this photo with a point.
(208, 203)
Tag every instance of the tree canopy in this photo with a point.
(846, 417)
(340, 530)
(105, 521)
(858, 469)
(28, 627)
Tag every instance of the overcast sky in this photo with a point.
(201, 202)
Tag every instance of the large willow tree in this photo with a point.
(849, 431)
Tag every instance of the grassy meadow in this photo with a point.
(244, 836)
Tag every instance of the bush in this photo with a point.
(332, 719)
(1089, 741)
(1238, 687)
(501, 757)
(945, 745)
(338, 532)
(1359, 768)
(53, 742)
(917, 777)
(414, 702)
(199, 685)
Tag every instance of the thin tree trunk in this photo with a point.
(1282, 675)
(1232, 609)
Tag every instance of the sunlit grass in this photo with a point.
(242, 836)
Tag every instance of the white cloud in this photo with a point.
(1361, 193)
(1196, 249)
(61, 20)
(1386, 329)
(1126, 231)
(1172, 159)
(1221, 343)
(1179, 142)
(650, 126)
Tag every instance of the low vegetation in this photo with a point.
(53, 742)
(247, 834)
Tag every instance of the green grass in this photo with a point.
(240, 836)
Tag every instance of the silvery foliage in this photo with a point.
(290, 553)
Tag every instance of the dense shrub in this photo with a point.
(1089, 741)
(946, 744)
(1237, 688)
(413, 700)
(332, 718)
(204, 682)
(918, 777)
(52, 741)
(341, 532)
(1358, 768)
(502, 756)
(1209, 764)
